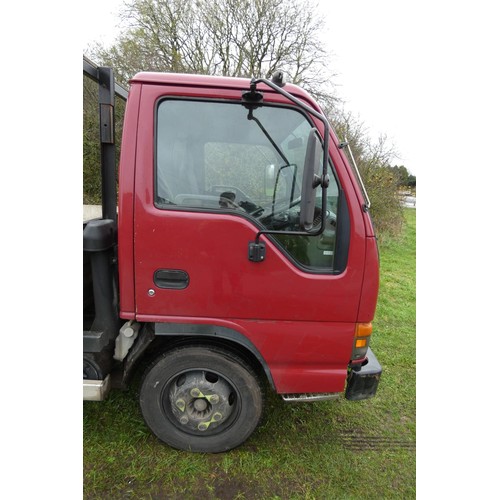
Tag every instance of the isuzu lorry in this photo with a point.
(237, 254)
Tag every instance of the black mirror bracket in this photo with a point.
(256, 250)
(323, 181)
(252, 96)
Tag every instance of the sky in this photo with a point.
(391, 60)
(396, 62)
(376, 101)
(373, 54)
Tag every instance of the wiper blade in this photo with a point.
(266, 133)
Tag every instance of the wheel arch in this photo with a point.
(173, 335)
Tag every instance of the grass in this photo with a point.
(326, 450)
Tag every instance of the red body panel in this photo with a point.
(302, 356)
(301, 323)
(369, 291)
(126, 205)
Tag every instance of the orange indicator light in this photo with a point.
(363, 329)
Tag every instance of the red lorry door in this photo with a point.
(215, 174)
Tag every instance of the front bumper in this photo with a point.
(362, 381)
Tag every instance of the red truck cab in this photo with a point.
(244, 257)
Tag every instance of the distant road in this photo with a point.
(410, 201)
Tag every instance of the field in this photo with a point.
(327, 450)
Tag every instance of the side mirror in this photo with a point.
(311, 180)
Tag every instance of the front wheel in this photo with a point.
(201, 399)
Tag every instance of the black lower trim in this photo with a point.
(362, 382)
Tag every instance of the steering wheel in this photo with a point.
(226, 202)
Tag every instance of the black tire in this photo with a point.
(201, 399)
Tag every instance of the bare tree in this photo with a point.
(248, 38)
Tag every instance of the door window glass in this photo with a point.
(219, 156)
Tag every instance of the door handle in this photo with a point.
(173, 279)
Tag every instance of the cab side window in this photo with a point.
(221, 156)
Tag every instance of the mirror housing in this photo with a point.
(311, 180)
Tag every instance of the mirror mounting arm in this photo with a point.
(257, 248)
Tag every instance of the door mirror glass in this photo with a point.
(311, 180)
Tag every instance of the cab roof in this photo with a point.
(153, 78)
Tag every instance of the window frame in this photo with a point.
(173, 207)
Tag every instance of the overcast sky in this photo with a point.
(396, 61)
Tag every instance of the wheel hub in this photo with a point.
(201, 400)
(200, 404)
